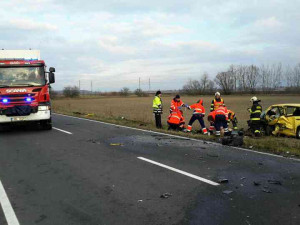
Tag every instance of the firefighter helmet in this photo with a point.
(217, 93)
(254, 99)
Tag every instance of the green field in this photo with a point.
(137, 112)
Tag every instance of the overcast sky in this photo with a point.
(115, 42)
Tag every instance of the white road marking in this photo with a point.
(64, 131)
(180, 137)
(8, 210)
(180, 171)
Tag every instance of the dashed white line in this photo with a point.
(64, 131)
(8, 210)
(180, 137)
(180, 171)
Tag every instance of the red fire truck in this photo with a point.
(24, 88)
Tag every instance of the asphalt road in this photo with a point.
(93, 174)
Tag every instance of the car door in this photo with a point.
(288, 121)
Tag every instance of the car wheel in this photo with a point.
(298, 133)
(269, 130)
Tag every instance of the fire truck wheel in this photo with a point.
(46, 124)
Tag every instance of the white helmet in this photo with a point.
(217, 93)
(254, 99)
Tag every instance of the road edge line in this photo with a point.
(181, 137)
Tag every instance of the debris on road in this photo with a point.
(243, 178)
(93, 141)
(227, 192)
(266, 190)
(90, 114)
(166, 195)
(260, 163)
(256, 183)
(276, 182)
(211, 155)
(116, 144)
(223, 181)
(140, 200)
(233, 140)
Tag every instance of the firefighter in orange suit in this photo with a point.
(177, 103)
(215, 104)
(198, 114)
(176, 120)
(219, 119)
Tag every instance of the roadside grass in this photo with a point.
(137, 112)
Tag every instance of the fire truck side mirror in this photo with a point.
(52, 70)
(51, 78)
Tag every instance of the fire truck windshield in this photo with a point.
(22, 76)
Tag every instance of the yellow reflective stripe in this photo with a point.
(254, 118)
(176, 117)
(257, 111)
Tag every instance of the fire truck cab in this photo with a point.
(24, 88)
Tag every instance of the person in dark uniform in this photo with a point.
(255, 112)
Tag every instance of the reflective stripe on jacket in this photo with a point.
(222, 111)
(216, 103)
(157, 105)
(175, 117)
(198, 108)
(231, 115)
(255, 111)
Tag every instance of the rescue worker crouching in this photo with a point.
(176, 120)
(157, 109)
(215, 104)
(219, 119)
(198, 114)
(232, 118)
(255, 113)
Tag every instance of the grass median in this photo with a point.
(137, 112)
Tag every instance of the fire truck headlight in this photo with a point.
(4, 100)
(43, 108)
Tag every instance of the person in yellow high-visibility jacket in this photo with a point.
(157, 109)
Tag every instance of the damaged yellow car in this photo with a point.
(283, 119)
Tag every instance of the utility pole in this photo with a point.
(149, 84)
(91, 86)
(79, 85)
(139, 83)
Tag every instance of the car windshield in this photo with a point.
(22, 76)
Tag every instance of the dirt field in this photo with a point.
(140, 109)
(137, 112)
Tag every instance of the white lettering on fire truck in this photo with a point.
(15, 90)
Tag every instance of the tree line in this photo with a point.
(248, 79)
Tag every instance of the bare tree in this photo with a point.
(265, 75)
(124, 91)
(192, 87)
(225, 80)
(241, 72)
(252, 77)
(296, 76)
